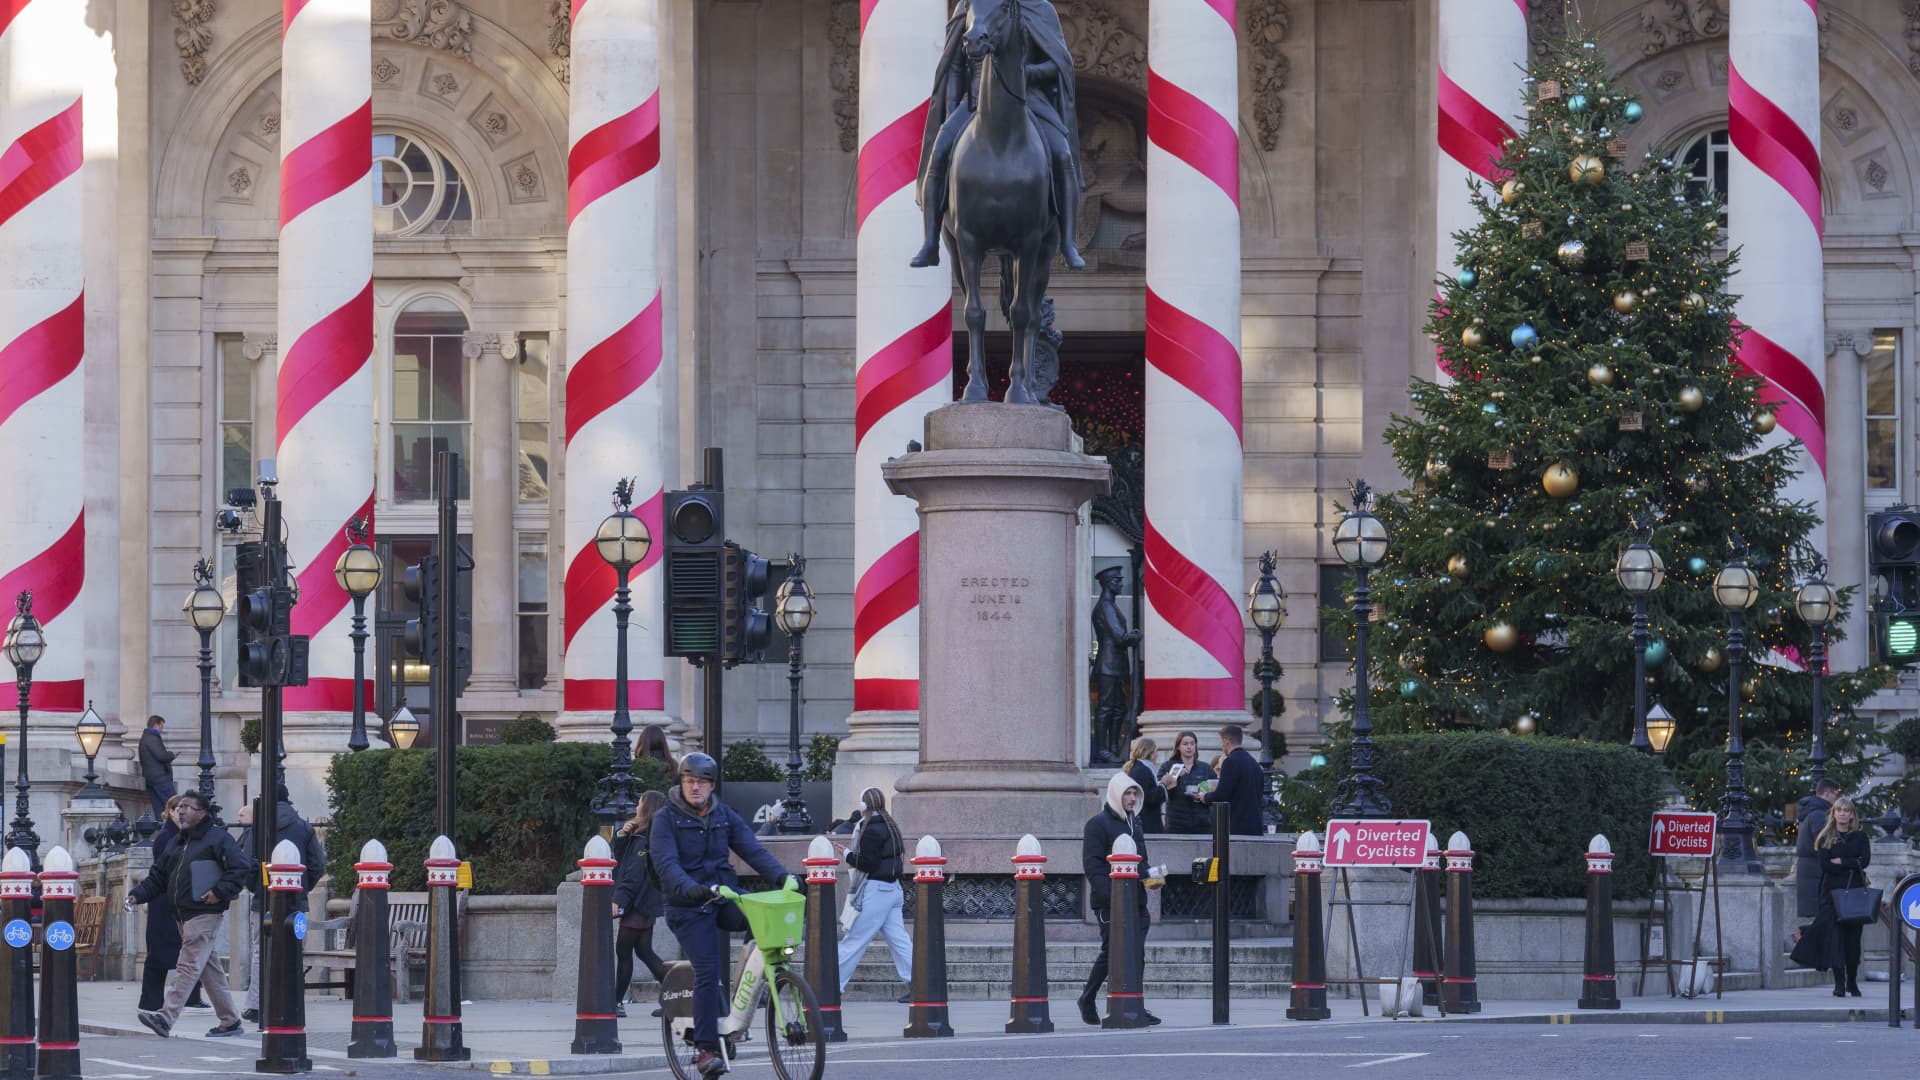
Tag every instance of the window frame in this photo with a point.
(1880, 497)
(412, 514)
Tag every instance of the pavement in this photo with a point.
(533, 1037)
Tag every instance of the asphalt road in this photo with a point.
(1383, 1049)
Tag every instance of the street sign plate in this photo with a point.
(1353, 842)
(1906, 900)
(1683, 834)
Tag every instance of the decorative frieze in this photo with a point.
(193, 37)
(843, 70)
(1264, 30)
(560, 38)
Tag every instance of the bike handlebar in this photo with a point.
(792, 884)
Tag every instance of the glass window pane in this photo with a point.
(236, 457)
(449, 380)
(1882, 385)
(431, 315)
(410, 398)
(533, 651)
(236, 380)
(532, 481)
(413, 447)
(532, 382)
(533, 573)
(1882, 453)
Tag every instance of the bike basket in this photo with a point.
(777, 918)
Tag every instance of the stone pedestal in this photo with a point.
(999, 491)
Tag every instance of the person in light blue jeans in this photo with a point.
(879, 854)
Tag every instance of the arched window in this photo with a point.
(1705, 162)
(417, 189)
(431, 397)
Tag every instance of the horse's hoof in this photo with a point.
(1020, 396)
(972, 394)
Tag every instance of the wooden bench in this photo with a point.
(89, 927)
(338, 940)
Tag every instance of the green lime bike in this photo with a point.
(796, 1043)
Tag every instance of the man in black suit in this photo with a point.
(156, 764)
(1242, 785)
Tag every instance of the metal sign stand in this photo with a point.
(1900, 914)
(1719, 962)
(1653, 924)
(1343, 897)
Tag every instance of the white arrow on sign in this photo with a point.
(1340, 845)
(1913, 908)
(1659, 831)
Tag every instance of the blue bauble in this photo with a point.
(1317, 761)
(1523, 336)
(1656, 651)
(1490, 408)
(1577, 103)
(1634, 112)
(1409, 688)
(1466, 277)
(1696, 565)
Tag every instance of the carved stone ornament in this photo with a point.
(443, 24)
(193, 37)
(1264, 26)
(1912, 11)
(1546, 23)
(257, 347)
(1669, 24)
(560, 38)
(843, 70)
(1103, 46)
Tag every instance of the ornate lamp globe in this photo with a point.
(404, 727)
(205, 607)
(1660, 727)
(25, 643)
(1267, 604)
(1817, 602)
(358, 571)
(1736, 587)
(1360, 539)
(793, 606)
(1640, 569)
(91, 731)
(623, 540)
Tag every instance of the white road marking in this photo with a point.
(149, 1068)
(1371, 1059)
(1646, 1036)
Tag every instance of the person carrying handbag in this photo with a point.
(878, 857)
(637, 902)
(1844, 854)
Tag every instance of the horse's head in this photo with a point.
(988, 24)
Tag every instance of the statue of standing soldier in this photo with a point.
(1112, 670)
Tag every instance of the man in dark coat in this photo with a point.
(223, 870)
(156, 764)
(1050, 102)
(287, 825)
(1242, 785)
(1112, 669)
(1809, 818)
(1119, 817)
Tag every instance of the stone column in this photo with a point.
(1847, 494)
(1774, 221)
(495, 559)
(903, 349)
(1480, 54)
(42, 330)
(613, 411)
(1194, 643)
(264, 351)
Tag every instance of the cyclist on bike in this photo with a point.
(692, 836)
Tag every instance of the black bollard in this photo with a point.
(16, 944)
(927, 1016)
(1126, 997)
(283, 1001)
(1309, 997)
(823, 925)
(59, 985)
(1460, 993)
(1029, 1014)
(596, 1030)
(441, 1036)
(1222, 913)
(372, 1035)
(1597, 988)
(1426, 924)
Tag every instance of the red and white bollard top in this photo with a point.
(1432, 862)
(285, 873)
(1599, 855)
(374, 869)
(597, 863)
(823, 867)
(1307, 856)
(928, 863)
(16, 876)
(443, 866)
(1459, 854)
(58, 881)
(1029, 862)
(1124, 862)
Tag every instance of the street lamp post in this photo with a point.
(25, 645)
(1736, 588)
(1267, 609)
(793, 610)
(403, 729)
(205, 607)
(1640, 571)
(1361, 542)
(358, 572)
(623, 542)
(1817, 603)
(91, 731)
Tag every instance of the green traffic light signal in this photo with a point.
(1903, 637)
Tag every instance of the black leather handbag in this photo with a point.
(1856, 906)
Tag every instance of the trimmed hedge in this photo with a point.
(1528, 804)
(524, 811)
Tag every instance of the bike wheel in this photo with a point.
(679, 1051)
(795, 1040)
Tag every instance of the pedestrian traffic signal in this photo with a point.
(420, 583)
(254, 617)
(1897, 637)
(746, 623)
(1893, 568)
(693, 556)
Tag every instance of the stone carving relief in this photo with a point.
(524, 183)
(494, 121)
(193, 37)
(1669, 24)
(1912, 12)
(385, 70)
(560, 38)
(1112, 230)
(1264, 28)
(1103, 46)
(1874, 175)
(440, 84)
(443, 24)
(843, 70)
(1546, 23)
(241, 180)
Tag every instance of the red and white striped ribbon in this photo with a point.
(324, 404)
(42, 332)
(614, 399)
(1481, 53)
(1194, 640)
(903, 345)
(1774, 220)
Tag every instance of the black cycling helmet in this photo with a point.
(701, 766)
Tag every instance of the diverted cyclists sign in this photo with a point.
(1355, 842)
(1683, 834)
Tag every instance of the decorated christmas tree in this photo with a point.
(1588, 341)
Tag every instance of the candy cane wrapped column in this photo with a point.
(324, 406)
(1774, 220)
(42, 333)
(903, 344)
(613, 408)
(1481, 50)
(1194, 641)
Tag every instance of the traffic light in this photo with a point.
(420, 637)
(270, 653)
(1893, 569)
(745, 623)
(1899, 637)
(694, 558)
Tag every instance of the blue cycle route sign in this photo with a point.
(19, 933)
(1906, 900)
(300, 925)
(60, 935)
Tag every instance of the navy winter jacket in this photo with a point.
(689, 851)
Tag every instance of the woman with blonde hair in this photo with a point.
(637, 902)
(1139, 768)
(1844, 853)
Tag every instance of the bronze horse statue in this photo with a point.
(1001, 191)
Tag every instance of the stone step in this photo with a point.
(1172, 973)
(1268, 951)
(1063, 991)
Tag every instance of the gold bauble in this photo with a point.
(1695, 300)
(1572, 253)
(1749, 689)
(1691, 398)
(1457, 567)
(1526, 724)
(1473, 337)
(1534, 359)
(1438, 469)
(1559, 480)
(1600, 375)
(1510, 191)
(1710, 661)
(1764, 422)
(1624, 301)
(1586, 169)
(1501, 637)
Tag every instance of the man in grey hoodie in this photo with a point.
(1119, 817)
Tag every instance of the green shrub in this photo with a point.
(250, 734)
(525, 730)
(1528, 805)
(745, 760)
(822, 751)
(524, 811)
